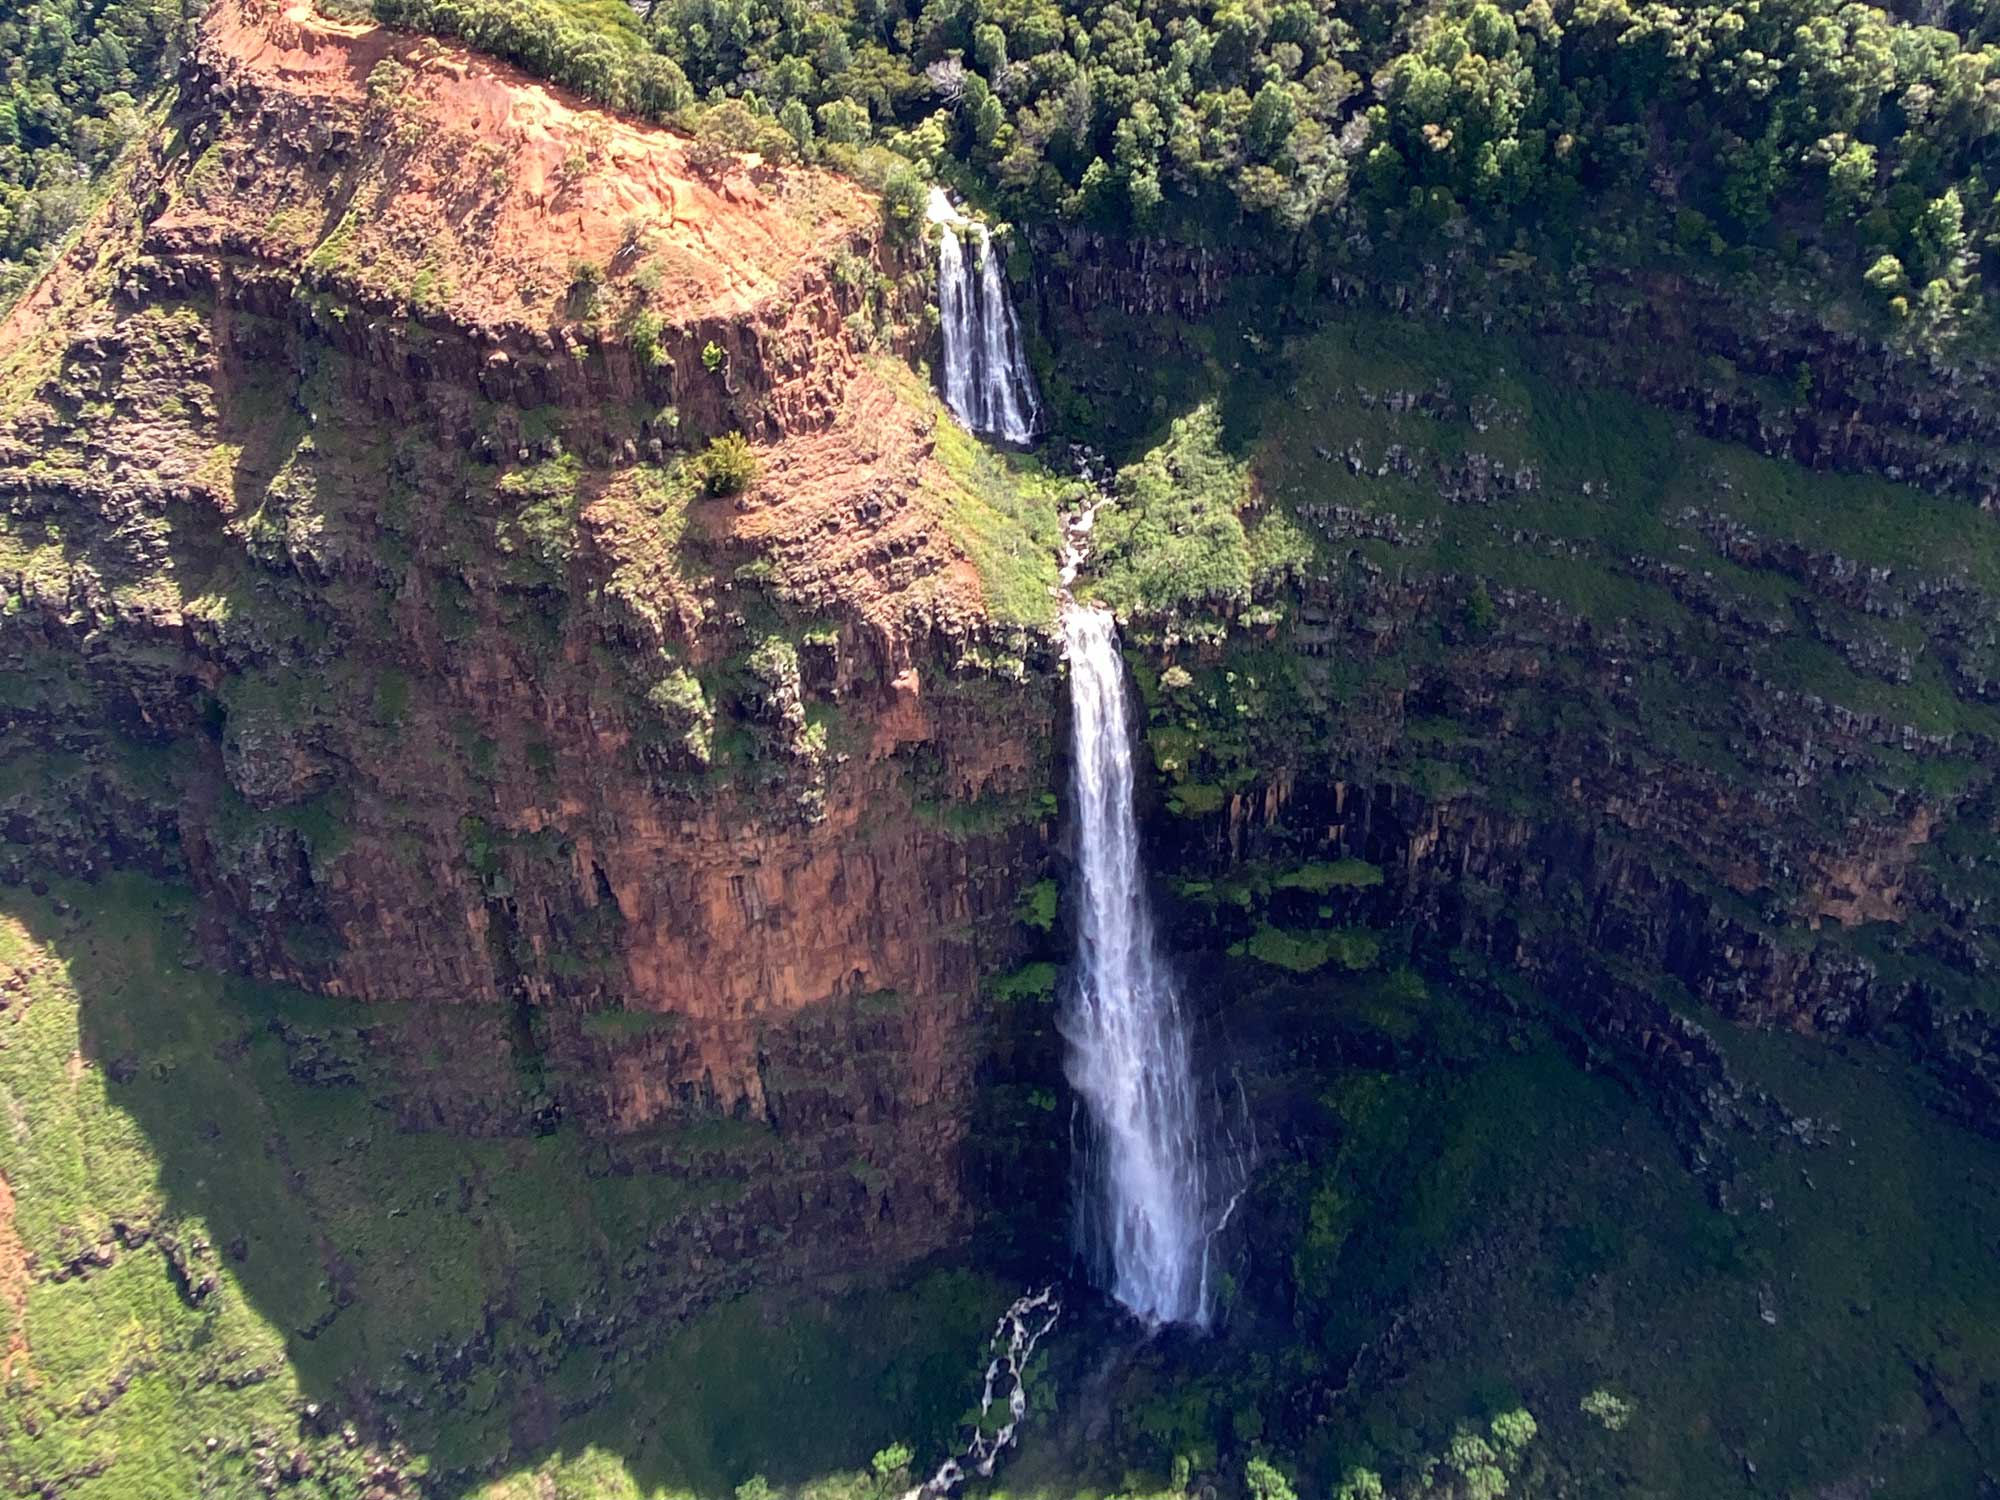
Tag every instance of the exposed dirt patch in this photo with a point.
(1868, 886)
(845, 515)
(492, 185)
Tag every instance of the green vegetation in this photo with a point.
(227, 1222)
(689, 717)
(77, 77)
(770, 1396)
(593, 46)
(1173, 537)
(1033, 981)
(643, 328)
(1472, 1466)
(1303, 951)
(1265, 1481)
(545, 526)
(728, 466)
(1004, 509)
(1321, 876)
(642, 515)
(1513, 507)
(1038, 905)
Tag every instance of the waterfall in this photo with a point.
(986, 379)
(1146, 1206)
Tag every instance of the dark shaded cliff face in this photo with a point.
(1587, 680)
(1563, 810)
(1771, 374)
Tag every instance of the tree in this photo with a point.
(904, 197)
(730, 130)
(1850, 178)
(643, 329)
(1265, 1481)
(728, 467)
(1940, 232)
(890, 1466)
(796, 122)
(1612, 1411)
(1887, 275)
(1514, 1430)
(985, 115)
(843, 120)
(1273, 113)
(658, 86)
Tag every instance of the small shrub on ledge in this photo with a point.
(729, 466)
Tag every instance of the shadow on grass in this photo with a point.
(239, 1248)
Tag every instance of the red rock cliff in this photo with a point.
(349, 467)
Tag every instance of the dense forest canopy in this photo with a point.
(1849, 141)
(76, 74)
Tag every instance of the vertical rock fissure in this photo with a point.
(985, 373)
(1147, 1197)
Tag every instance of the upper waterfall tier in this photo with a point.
(987, 383)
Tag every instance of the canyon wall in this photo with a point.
(361, 571)
(1608, 701)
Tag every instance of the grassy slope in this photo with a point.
(1284, 402)
(1644, 470)
(1002, 509)
(357, 1264)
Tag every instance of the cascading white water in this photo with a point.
(987, 384)
(1145, 1215)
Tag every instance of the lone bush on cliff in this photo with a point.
(687, 714)
(729, 466)
(644, 329)
(891, 1466)
(1266, 1481)
(545, 525)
